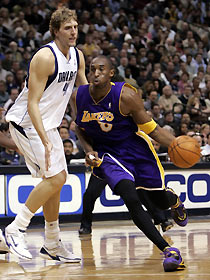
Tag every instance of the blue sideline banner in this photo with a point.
(18, 188)
(2, 196)
(193, 187)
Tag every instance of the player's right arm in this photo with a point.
(41, 67)
(132, 105)
(82, 136)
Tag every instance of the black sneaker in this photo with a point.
(85, 230)
(166, 225)
(178, 212)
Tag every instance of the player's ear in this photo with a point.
(112, 72)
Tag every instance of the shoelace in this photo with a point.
(168, 254)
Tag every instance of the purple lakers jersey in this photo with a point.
(117, 135)
(103, 120)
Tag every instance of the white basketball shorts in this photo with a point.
(30, 145)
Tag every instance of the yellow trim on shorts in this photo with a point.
(148, 127)
(162, 175)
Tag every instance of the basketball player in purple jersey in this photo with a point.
(112, 126)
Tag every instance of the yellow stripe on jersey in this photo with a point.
(148, 127)
(146, 138)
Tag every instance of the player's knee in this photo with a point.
(59, 179)
(126, 189)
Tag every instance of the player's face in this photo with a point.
(100, 72)
(67, 34)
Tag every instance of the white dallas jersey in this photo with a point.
(56, 95)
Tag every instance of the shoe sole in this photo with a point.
(169, 267)
(84, 233)
(48, 257)
(5, 250)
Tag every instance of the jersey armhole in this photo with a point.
(77, 56)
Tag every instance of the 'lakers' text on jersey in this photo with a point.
(56, 95)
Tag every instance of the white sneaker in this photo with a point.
(3, 246)
(16, 242)
(59, 254)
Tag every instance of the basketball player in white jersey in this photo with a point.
(34, 118)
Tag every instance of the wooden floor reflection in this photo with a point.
(115, 250)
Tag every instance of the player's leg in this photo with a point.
(29, 143)
(158, 215)
(93, 191)
(166, 199)
(126, 189)
(53, 248)
(14, 232)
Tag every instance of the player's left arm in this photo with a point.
(84, 139)
(81, 78)
(132, 104)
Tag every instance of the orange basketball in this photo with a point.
(184, 151)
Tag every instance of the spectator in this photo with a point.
(4, 95)
(132, 64)
(16, 54)
(183, 129)
(155, 109)
(204, 130)
(12, 97)
(168, 99)
(122, 66)
(187, 92)
(129, 79)
(198, 138)
(169, 119)
(184, 81)
(142, 77)
(194, 109)
(68, 145)
(190, 66)
(4, 34)
(151, 99)
(3, 72)
(186, 119)
(7, 60)
(10, 82)
(89, 47)
(206, 148)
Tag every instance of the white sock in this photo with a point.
(52, 232)
(22, 220)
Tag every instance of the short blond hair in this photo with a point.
(60, 16)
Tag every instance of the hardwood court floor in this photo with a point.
(116, 250)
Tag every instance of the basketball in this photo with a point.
(184, 151)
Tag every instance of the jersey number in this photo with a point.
(106, 127)
(65, 88)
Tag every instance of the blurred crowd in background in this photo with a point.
(162, 48)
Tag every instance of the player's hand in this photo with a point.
(48, 149)
(92, 159)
